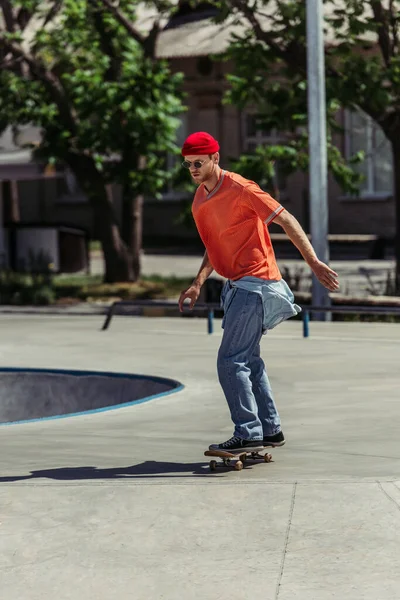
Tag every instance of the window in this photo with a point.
(254, 136)
(362, 133)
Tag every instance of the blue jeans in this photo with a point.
(241, 370)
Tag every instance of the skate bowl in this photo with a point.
(28, 395)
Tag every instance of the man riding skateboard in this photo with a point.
(232, 215)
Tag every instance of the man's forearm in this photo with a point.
(205, 271)
(299, 238)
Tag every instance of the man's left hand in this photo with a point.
(326, 276)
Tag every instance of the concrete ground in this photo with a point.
(121, 505)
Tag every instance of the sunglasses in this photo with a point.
(196, 163)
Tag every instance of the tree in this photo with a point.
(107, 108)
(362, 70)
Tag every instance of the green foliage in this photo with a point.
(261, 165)
(95, 91)
(91, 289)
(270, 72)
(32, 284)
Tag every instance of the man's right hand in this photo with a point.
(193, 293)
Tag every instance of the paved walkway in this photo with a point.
(121, 505)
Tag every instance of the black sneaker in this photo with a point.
(237, 444)
(274, 440)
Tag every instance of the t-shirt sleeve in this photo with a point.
(262, 203)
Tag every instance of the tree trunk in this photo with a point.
(396, 164)
(117, 258)
(132, 226)
(132, 214)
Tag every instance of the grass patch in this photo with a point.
(91, 288)
(173, 285)
(26, 288)
(45, 289)
(94, 245)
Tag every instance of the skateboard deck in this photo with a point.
(239, 458)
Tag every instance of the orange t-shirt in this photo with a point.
(232, 221)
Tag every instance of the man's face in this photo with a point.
(201, 167)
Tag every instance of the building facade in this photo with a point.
(188, 44)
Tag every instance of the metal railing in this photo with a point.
(356, 310)
(202, 307)
(209, 309)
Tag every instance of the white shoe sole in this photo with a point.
(275, 445)
(248, 449)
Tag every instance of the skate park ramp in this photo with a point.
(36, 394)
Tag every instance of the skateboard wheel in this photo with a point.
(267, 457)
(238, 465)
(213, 465)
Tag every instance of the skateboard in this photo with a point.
(239, 458)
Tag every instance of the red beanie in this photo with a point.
(200, 143)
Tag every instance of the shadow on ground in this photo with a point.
(149, 468)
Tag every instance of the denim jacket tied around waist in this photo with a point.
(277, 299)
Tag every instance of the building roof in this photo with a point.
(199, 35)
(193, 32)
(197, 38)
